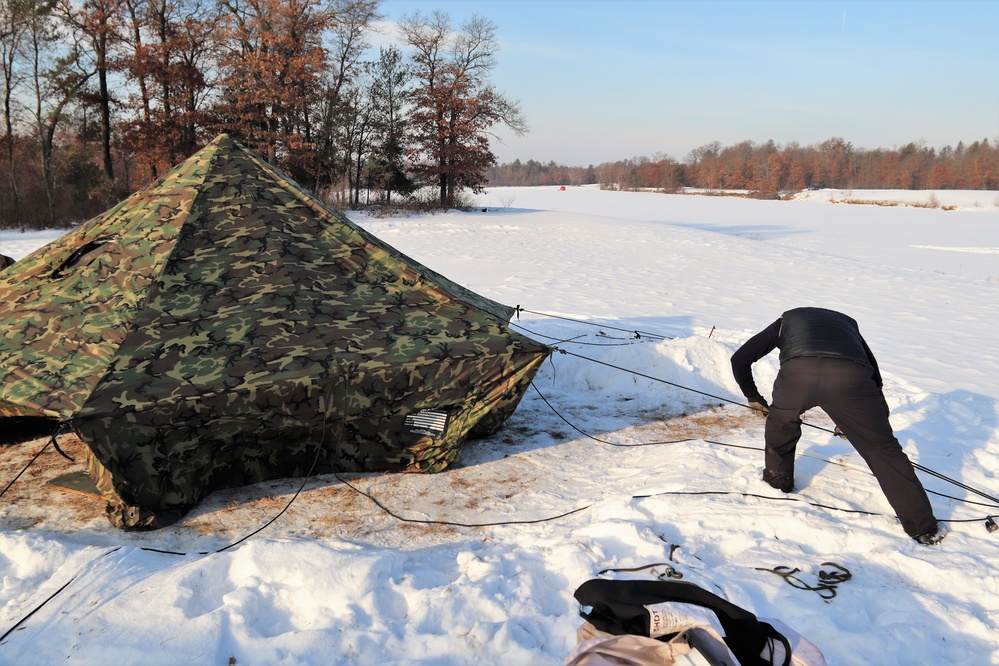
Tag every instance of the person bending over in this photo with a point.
(825, 362)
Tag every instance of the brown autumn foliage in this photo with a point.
(101, 97)
(768, 169)
(127, 88)
(454, 105)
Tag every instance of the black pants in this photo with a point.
(847, 393)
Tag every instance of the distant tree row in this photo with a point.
(102, 96)
(768, 169)
(532, 173)
(99, 97)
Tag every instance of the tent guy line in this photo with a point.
(592, 437)
(575, 339)
(637, 334)
(319, 449)
(669, 383)
(12, 481)
(52, 596)
(597, 439)
(988, 519)
(844, 465)
(432, 521)
(921, 468)
(152, 329)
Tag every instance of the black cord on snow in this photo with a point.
(25, 469)
(637, 334)
(575, 339)
(308, 476)
(312, 468)
(568, 513)
(917, 466)
(597, 439)
(52, 441)
(957, 499)
(51, 597)
(428, 521)
(828, 580)
(785, 498)
(921, 468)
(654, 379)
(668, 570)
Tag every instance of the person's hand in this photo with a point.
(838, 433)
(760, 405)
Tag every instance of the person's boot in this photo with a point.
(782, 482)
(933, 537)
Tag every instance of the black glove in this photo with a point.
(760, 405)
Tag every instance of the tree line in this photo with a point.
(768, 169)
(101, 97)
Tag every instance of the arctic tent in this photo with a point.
(223, 327)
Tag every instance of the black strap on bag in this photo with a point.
(618, 607)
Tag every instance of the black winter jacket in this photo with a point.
(803, 332)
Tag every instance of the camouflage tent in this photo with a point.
(223, 327)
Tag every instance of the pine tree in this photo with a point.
(386, 168)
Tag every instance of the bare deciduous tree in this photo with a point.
(56, 82)
(455, 106)
(13, 25)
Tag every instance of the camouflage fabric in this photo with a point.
(223, 327)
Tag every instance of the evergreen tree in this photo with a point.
(386, 168)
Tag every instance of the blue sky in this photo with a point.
(613, 79)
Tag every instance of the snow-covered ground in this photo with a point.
(337, 579)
